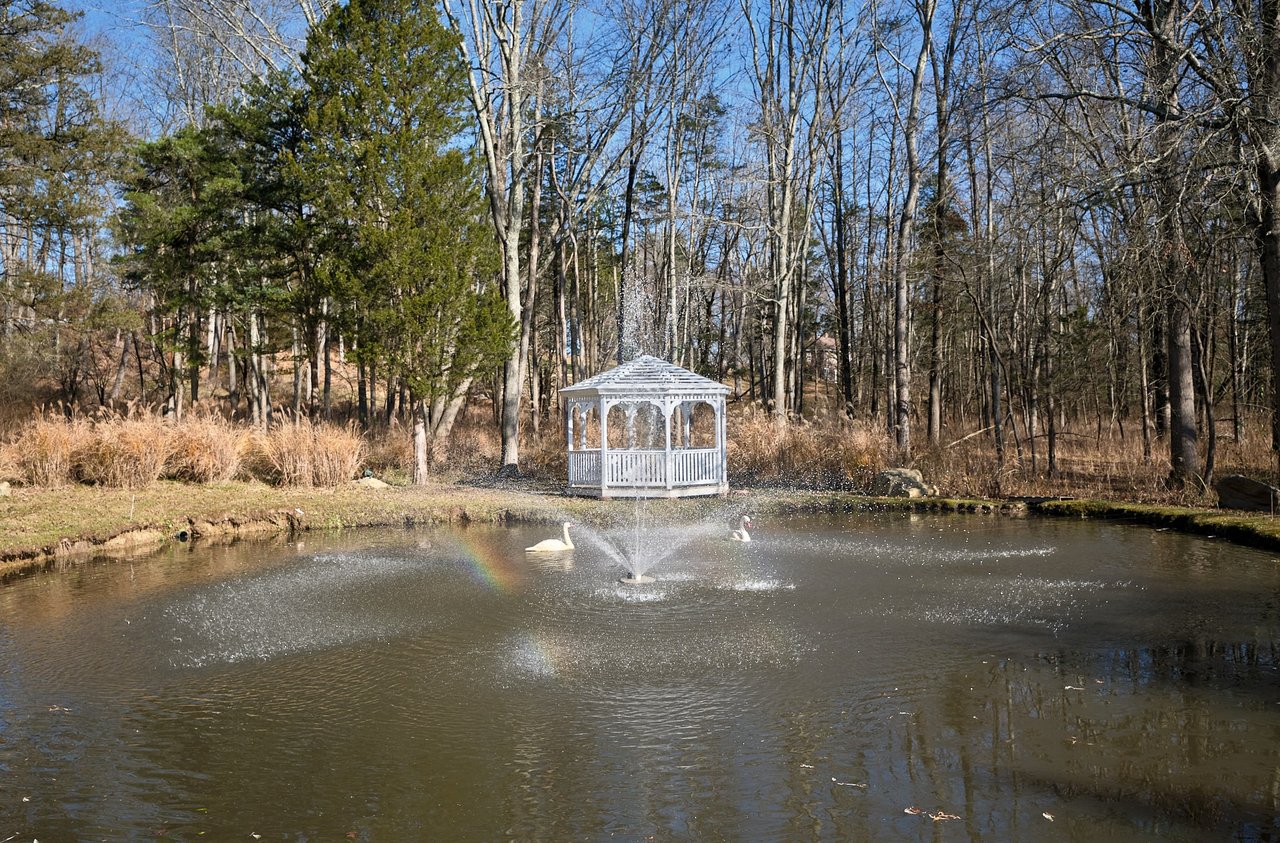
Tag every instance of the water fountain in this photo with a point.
(641, 546)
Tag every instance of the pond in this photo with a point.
(877, 677)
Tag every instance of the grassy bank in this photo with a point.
(49, 526)
(47, 522)
(43, 523)
(1255, 530)
(119, 484)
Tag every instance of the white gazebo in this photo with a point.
(646, 429)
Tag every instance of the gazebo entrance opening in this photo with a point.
(646, 429)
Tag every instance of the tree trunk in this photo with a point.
(117, 382)
(1183, 454)
(421, 448)
(444, 424)
(902, 250)
(298, 372)
(841, 272)
(1268, 237)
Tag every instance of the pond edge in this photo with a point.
(458, 505)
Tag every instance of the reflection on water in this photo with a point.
(869, 678)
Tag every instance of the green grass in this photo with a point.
(1256, 530)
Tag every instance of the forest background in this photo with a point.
(1031, 248)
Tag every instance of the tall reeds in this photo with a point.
(133, 450)
(338, 454)
(126, 452)
(205, 449)
(46, 446)
(306, 453)
(10, 471)
(835, 454)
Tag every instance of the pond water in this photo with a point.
(885, 677)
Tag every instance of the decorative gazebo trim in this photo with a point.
(677, 469)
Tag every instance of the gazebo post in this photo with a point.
(668, 466)
(604, 448)
(569, 426)
(722, 438)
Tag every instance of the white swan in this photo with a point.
(552, 545)
(741, 534)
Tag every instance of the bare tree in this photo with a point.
(908, 116)
(509, 47)
(208, 49)
(789, 39)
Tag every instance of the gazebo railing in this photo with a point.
(636, 468)
(691, 466)
(699, 465)
(584, 468)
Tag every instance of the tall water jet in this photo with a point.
(641, 547)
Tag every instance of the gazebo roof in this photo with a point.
(645, 375)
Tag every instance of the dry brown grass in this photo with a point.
(125, 452)
(474, 447)
(826, 452)
(133, 451)
(338, 454)
(389, 451)
(544, 455)
(306, 453)
(1094, 464)
(205, 449)
(46, 446)
(10, 471)
(285, 455)
(471, 450)
(834, 454)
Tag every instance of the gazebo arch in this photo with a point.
(660, 452)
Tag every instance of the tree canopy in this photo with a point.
(973, 217)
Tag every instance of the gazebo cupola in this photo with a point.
(647, 428)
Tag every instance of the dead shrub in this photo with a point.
(205, 449)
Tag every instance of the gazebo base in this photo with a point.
(628, 492)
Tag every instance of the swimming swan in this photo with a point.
(741, 534)
(551, 545)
